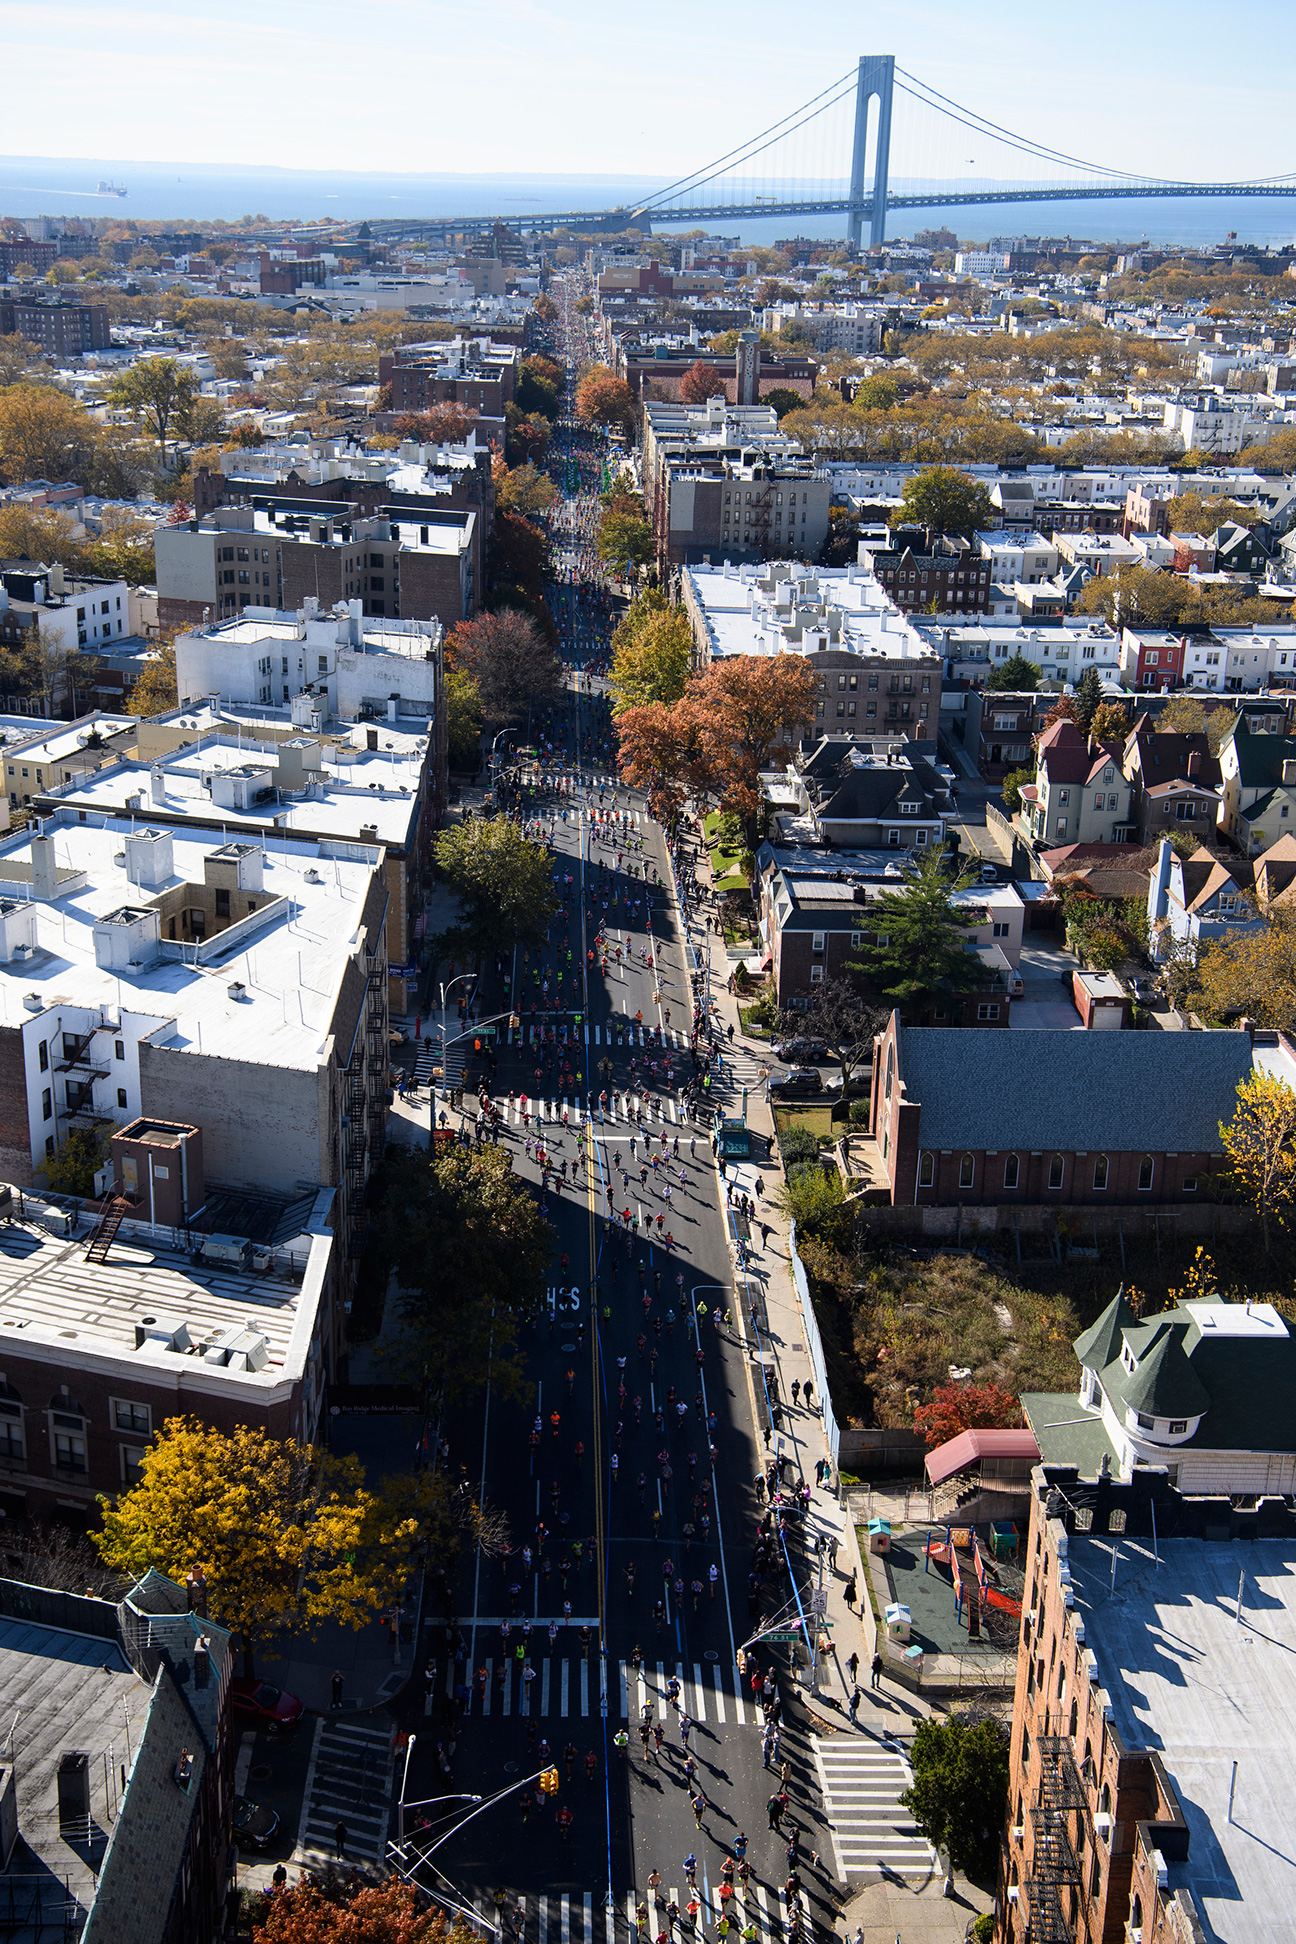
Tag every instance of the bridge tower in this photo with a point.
(876, 77)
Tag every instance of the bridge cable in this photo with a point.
(745, 151)
(953, 110)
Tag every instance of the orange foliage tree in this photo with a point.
(966, 1407)
(335, 1913)
(604, 399)
(700, 382)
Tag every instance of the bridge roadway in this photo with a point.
(822, 206)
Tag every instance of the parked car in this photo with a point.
(797, 1080)
(798, 1051)
(989, 874)
(254, 1825)
(1145, 990)
(262, 1702)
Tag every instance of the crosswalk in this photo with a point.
(609, 1033)
(862, 1779)
(563, 1688)
(349, 1780)
(622, 1110)
(583, 1918)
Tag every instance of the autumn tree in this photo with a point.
(955, 1408)
(44, 435)
(1014, 676)
(1260, 1150)
(1187, 716)
(472, 1255)
(539, 387)
(19, 359)
(700, 382)
(914, 953)
(652, 653)
(604, 399)
(337, 1909)
(509, 659)
(526, 436)
(947, 501)
(662, 753)
(748, 704)
(518, 566)
(625, 535)
(842, 1019)
(1135, 596)
(1110, 723)
(157, 688)
(286, 1534)
(157, 392)
(447, 424)
(1252, 974)
(525, 489)
(503, 879)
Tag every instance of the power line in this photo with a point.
(746, 151)
(954, 111)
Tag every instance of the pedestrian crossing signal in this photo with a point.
(548, 1783)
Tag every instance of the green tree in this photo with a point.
(1260, 1149)
(959, 1793)
(915, 956)
(815, 1202)
(286, 1534)
(83, 1152)
(779, 397)
(1088, 699)
(625, 536)
(463, 721)
(880, 393)
(1016, 675)
(157, 392)
(652, 653)
(472, 1254)
(1012, 785)
(504, 880)
(947, 500)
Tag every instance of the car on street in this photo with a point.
(262, 1702)
(797, 1080)
(254, 1825)
(1145, 990)
(799, 1051)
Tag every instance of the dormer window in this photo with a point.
(1178, 1426)
(1145, 1423)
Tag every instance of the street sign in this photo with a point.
(779, 1636)
(819, 1600)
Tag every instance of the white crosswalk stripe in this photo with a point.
(349, 1781)
(561, 1688)
(862, 1780)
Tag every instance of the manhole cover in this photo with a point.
(710, 1654)
(260, 1772)
(568, 1346)
(511, 1768)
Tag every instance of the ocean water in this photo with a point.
(38, 186)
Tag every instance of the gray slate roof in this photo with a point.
(1092, 1092)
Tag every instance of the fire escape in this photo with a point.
(760, 514)
(1055, 1887)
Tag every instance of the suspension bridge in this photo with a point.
(905, 142)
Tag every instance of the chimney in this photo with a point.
(1194, 763)
(1159, 888)
(202, 1663)
(196, 1590)
(44, 869)
(371, 739)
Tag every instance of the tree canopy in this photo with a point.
(913, 952)
(1260, 1149)
(604, 399)
(525, 489)
(1252, 974)
(339, 1911)
(947, 500)
(716, 739)
(625, 535)
(959, 1793)
(463, 720)
(700, 382)
(509, 659)
(504, 880)
(842, 1019)
(959, 1407)
(652, 653)
(1016, 675)
(472, 1254)
(157, 391)
(286, 1534)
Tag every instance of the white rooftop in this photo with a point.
(290, 963)
(748, 609)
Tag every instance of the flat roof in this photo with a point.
(69, 739)
(871, 624)
(1204, 1691)
(379, 788)
(290, 965)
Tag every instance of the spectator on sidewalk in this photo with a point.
(877, 1671)
(339, 1839)
(335, 1690)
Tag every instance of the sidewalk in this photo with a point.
(884, 1905)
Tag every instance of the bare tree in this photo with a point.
(844, 1021)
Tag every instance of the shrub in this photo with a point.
(859, 1113)
(798, 1143)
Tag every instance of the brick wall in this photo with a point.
(15, 1128)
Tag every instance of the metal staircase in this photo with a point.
(105, 1229)
(1055, 1887)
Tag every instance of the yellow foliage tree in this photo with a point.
(1252, 975)
(652, 653)
(1260, 1146)
(156, 689)
(286, 1534)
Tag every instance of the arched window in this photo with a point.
(967, 1171)
(1100, 1173)
(926, 1168)
(1147, 1172)
(1012, 1170)
(1087, 1767)
(1075, 1719)
(1057, 1171)
(1136, 1913)
(1104, 1800)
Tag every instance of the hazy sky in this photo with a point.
(1186, 91)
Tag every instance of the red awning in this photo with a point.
(766, 962)
(970, 1447)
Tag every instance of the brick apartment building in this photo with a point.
(947, 580)
(477, 373)
(60, 330)
(17, 250)
(281, 276)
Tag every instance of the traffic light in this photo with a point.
(548, 1783)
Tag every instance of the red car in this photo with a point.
(259, 1701)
